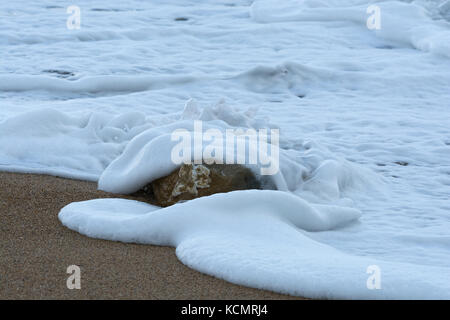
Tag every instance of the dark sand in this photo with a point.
(35, 251)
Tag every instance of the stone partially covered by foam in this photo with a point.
(192, 181)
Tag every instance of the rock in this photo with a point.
(192, 181)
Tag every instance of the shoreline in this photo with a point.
(36, 249)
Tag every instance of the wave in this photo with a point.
(401, 23)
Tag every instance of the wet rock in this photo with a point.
(192, 181)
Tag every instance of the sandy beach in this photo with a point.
(36, 249)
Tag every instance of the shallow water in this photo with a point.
(379, 99)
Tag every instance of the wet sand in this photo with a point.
(36, 249)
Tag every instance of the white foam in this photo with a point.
(96, 84)
(51, 142)
(148, 156)
(256, 238)
(402, 23)
(348, 102)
